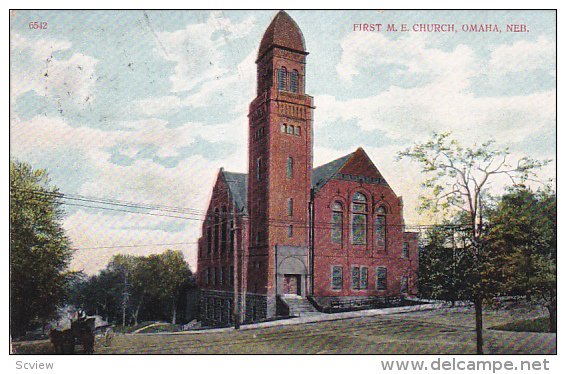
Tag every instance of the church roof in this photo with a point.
(282, 32)
(238, 185)
(353, 165)
(238, 182)
(321, 174)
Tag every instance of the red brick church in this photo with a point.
(287, 237)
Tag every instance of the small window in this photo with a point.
(282, 79)
(381, 278)
(404, 286)
(290, 207)
(356, 278)
(294, 84)
(258, 169)
(363, 278)
(297, 130)
(290, 129)
(337, 277)
(290, 231)
(284, 128)
(405, 253)
(290, 167)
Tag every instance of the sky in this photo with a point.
(146, 106)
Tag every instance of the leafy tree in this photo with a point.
(135, 288)
(444, 263)
(40, 251)
(523, 227)
(458, 181)
(176, 273)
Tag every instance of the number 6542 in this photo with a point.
(37, 25)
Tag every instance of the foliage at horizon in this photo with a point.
(40, 252)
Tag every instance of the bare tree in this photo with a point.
(458, 181)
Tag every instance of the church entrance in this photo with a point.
(291, 284)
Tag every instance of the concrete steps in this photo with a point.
(299, 306)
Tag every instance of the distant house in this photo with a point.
(286, 230)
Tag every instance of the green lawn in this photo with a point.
(444, 331)
(540, 324)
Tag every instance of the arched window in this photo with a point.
(282, 79)
(297, 130)
(209, 240)
(294, 84)
(380, 227)
(290, 129)
(216, 229)
(290, 167)
(224, 230)
(290, 164)
(284, 128)
(232, 235)
(337, 222)
(290, 207)
(359, 218)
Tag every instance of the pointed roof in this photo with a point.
(282, 32)
(356, 163)
(321, 174)
(238, 186)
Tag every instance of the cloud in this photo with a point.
(127, 234)
(47, 134)
(409, 55)
(524, 56)
(195, 50)
(443, 101)
(63, 80)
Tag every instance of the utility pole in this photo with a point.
(235, 245)
(125, 298)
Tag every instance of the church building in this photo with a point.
(287, 238)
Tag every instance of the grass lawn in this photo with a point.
(526, 325)
(442, 331)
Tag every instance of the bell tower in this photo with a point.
(280, 158)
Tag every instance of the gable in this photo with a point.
(356, 166)
(360, 165)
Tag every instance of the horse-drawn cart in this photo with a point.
(81, 333)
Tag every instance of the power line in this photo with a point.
(136, 245)
(204, 217)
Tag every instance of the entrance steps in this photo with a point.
(299, 306)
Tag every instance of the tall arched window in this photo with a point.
(224, 229)
(209, 240)
(290, 167)
(231, 235)
(290, 207)
(294, 84)
(380, 227)
(359, 218)
(216, 229)
(282, 79)
(337, 222)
